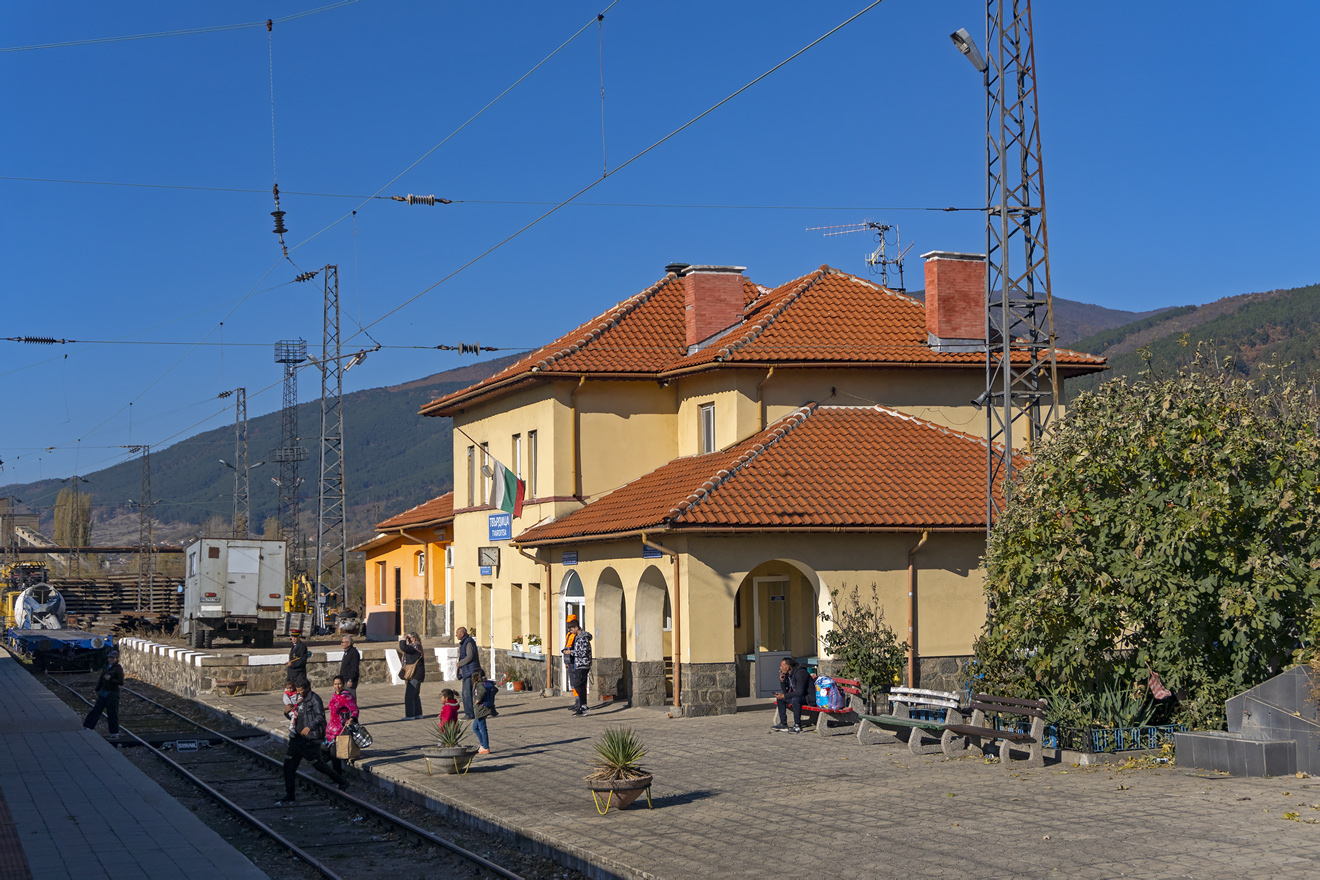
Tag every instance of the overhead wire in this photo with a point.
(181, 32)
(470, 120)
(631, 160)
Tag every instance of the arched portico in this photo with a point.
(776, 615)
(609, 637)
(652, 659)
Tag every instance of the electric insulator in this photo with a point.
(279, 222)
(422, 200)
(306, 276)
(40, 340)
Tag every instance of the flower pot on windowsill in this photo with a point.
(517, 647)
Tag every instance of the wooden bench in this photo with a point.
(901, 722)
(230, 686)
(846, 717)
(972, 734)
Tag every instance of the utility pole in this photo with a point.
(1021, 378)
(332, 530)
(290, 353)
(242, 509)
(146, 553)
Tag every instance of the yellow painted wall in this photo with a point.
(402, 553)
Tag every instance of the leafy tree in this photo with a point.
(862, 642)
(1169, 522)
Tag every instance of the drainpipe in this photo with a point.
(912, 609)
(678, 632)
(577, 449)
(759, 399)
(548, 639)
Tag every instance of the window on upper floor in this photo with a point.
(707, 428)
(517, 456)
(487, 470)
(531, 464)
(472, 476)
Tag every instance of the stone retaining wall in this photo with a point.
(647, 687)
(708, 689)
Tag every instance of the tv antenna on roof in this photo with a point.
(878, 260)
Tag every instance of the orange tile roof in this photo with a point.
(434, 512)
(822, 467)
(825, 316)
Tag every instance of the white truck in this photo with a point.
(233, 588)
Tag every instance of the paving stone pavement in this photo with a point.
(80, 809)
(734, 800)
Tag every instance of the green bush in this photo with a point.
(862, 642)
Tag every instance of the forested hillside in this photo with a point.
(1245, 331)
(393, 459)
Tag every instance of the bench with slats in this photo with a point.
(836, 722)
(901, 722)
(978, 735)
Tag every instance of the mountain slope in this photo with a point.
(1074, 320)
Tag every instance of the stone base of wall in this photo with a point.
(532, 672)
(647, 682)
(437, 622)
(607, 678)
(942, 673)
(708, 689)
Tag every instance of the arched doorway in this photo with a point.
(609, 637)
(652, 659)
(572, 601)
(776, 615)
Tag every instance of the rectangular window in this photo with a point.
(515, 611)
(380, 583)
(486, 470)
(472, 476)
(533, 610)
(707, 428)
(421, 563)
(517, 456)
(531, 464)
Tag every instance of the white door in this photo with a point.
(770, 613)
(244, 567)
(572, 602)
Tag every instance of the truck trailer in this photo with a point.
(234, 588)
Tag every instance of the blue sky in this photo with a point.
(1179, 144)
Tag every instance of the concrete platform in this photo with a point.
(733, 800)
(81, 809)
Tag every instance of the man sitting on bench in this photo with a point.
(796, 684)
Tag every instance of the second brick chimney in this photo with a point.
(714, 301)
(955, 301)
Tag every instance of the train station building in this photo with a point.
(408, 567)
(711, 462)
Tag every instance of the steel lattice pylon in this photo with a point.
(290, 353)
(1020, 373)
(332, 529)
(242, 507)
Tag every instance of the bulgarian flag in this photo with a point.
(506, 491)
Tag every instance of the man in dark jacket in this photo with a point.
(795, 682)
(348, 665)
(579, 663)
(296, 668)
(469, 665)
(309, 723)
(107, 694)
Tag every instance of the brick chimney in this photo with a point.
(955, 301)
(714, 298)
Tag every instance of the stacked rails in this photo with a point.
(110, 602)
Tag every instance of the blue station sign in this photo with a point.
(501, 526)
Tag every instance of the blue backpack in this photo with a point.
(828, 694)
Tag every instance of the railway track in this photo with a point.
(333, 832)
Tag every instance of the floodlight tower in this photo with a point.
(290, 353)
(1021, 378)
(331, 529)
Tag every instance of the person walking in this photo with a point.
(485, 706)
(469, 665)
(107, 695)
(296, 668)
(342, 709)
(413, 657)
(579, 666)
(306, 742)
(348, 665)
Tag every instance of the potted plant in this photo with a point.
(449, 747)
(618, 779)
(516, 647)
(533, 643)
(511, 678)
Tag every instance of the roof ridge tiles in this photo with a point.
(776, 432)
(808, 281)
(607, 321)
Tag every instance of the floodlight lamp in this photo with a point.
(967, 46)
(225, 463)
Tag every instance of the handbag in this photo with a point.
(346, 748)
(358, 732)
(410, 669)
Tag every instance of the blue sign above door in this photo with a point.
(501, 526)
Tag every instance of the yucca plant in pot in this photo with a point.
(618, 773)
(449, 746)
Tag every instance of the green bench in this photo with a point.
(901, 724)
